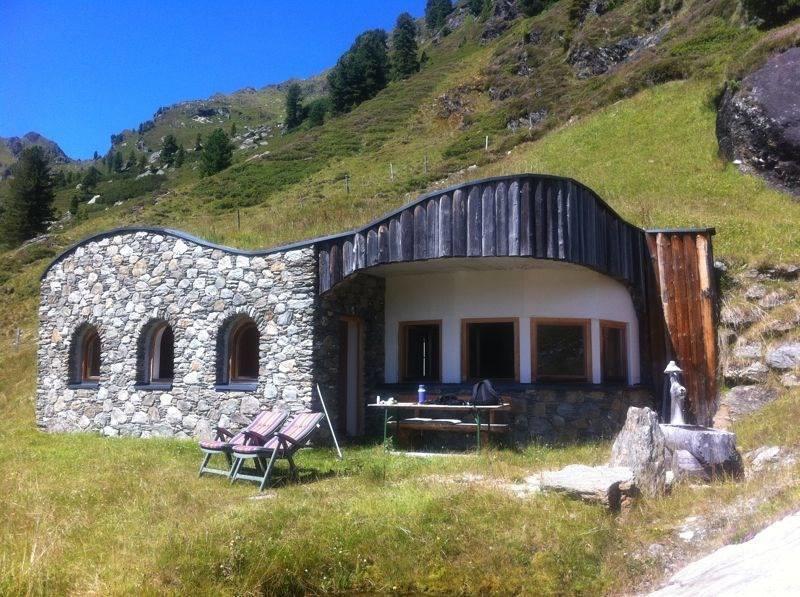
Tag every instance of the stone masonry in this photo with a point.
(122, 281)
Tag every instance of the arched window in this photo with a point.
(238, 353)
(156, 354)
(85, 356)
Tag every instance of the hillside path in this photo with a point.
(768, 564)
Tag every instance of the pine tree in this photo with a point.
(436, 12)
(92, 177)
(131, 160)
(142, 165)
(316, 112)
(29, 205)
(198, 143)
(233, 129)
(118, 162)
(361, 72)
(217, 153)
(73, 205)
(180, 156)
(95, 156)
(404, 54)
(168, 150)
(294, 108)
(110, 160)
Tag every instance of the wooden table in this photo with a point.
(418, 409)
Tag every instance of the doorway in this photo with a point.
(351, 395)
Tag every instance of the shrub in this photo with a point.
(773, 12)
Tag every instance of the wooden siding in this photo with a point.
(527, 216)
(684, 269)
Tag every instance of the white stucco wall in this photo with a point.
(542, 289)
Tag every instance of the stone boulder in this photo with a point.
(758, 122)
(752, 373)
(640, 446)
(611, 486)
(784, 356)
(741, 401)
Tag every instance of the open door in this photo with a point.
(351, 395)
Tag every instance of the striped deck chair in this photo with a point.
(265, 424)
(292, 436)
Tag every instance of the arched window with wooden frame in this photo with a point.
(156, 356)
(238, 359)
(85, 357)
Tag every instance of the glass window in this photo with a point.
(420, 352)
(614, 352)
(561, 350)
(243, 363)
(90, 356)
(162, 354)
(490, 349)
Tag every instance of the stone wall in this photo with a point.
(120, 282)
(361, 296)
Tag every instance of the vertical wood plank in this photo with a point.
(395, 240)
(474, 213)
(432, 232)
(539, 246)
(488, 227)
(420, 232)
(347, 258)
(384, 252)
(446, 227)
(372, 248)
(526, 219)
(407, 235)
(459, 224)
(359, 251)
(324, 271)
(501, 219)
(513, 218)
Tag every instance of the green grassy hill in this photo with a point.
(91, 515)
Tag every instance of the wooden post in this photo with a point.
(347, 183)
(238, 220)
(486, 146)
(391, 171)
(425, 164)
(16, 339)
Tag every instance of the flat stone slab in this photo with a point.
(595, 484)
(765, 565)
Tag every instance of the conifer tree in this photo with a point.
(180, 156)
(168, 150)
(118, 162)
(361, 72)
(110, 160)
(316, 112)
(233, 129)
(404, 53)
(198, 143)
(92, 177)
(436, 12)
(294, 108)
(217, 153)
(29, 204)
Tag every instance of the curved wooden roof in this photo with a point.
(526, 216)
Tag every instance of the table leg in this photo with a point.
(385, 426)
(478, 423)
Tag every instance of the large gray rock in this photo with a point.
(752, 373)
(784, 357)
(640, 447)
(606, 485)
(741, 401)
(764, 565)
(759, 121)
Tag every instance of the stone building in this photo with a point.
(531, 281)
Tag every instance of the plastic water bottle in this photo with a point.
(421, 394)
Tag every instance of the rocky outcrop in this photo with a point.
(16, 145)
(640, 447)
(758, 123)
(701, 451)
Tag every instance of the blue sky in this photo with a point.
(77, 72)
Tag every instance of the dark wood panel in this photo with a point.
(474, 222)
(459, 224)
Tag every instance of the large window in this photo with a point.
(238, 354)
(85, 356)
(157, 354)
(489, 349)
(560, 349)
(420, 351)
(614, 352)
